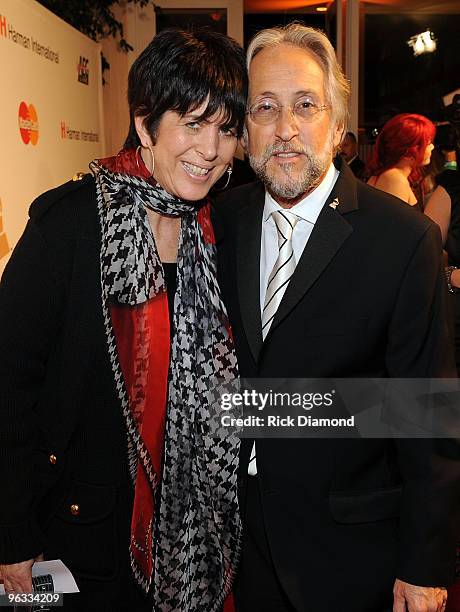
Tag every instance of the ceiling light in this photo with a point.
(422, 43)
(429, 42)
(321, 9)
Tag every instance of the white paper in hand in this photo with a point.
(63, 580)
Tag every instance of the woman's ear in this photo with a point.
(142, 131)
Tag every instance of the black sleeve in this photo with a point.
(420, 347)
(30, 308)
(450, 180)
(419, 344)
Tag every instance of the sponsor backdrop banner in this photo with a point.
(51, 121)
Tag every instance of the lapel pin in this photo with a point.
(334, 203)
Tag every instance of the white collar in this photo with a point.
(311, 205)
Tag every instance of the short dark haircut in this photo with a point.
(178, 71)
(351, 136)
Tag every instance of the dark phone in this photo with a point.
(42, 584)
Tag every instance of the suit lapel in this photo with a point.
(248, 267)
(330, 232)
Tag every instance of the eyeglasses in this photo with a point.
(267, 112)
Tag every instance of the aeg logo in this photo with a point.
(28, 123)
(83, 70)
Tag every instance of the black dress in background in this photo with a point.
(450, 180)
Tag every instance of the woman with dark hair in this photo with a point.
(112, 330)
(403, 146)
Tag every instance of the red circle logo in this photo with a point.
(28, 123)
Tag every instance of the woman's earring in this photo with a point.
(138, 155)
(229, 176)
(153, 161)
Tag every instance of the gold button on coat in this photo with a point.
(53, 459)
(75, 509)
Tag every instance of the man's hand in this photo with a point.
(411, 598)
(17, 577)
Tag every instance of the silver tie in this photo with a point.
(282, 270)
(277, 283)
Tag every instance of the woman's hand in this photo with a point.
(17, 577)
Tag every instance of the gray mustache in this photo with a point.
(283, 148)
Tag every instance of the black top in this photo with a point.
(170, 270)
(450, 180)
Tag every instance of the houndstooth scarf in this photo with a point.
(194, 534)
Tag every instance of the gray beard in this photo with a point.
(290, 188)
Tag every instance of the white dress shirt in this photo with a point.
(307, 211)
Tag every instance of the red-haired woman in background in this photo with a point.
(403, 146)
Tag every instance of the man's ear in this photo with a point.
(142, 131)
(339, 134)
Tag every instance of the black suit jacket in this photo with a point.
(62, 433)
(345, 517)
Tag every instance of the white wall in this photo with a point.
(60, 116)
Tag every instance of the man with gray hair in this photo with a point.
(325, 277)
